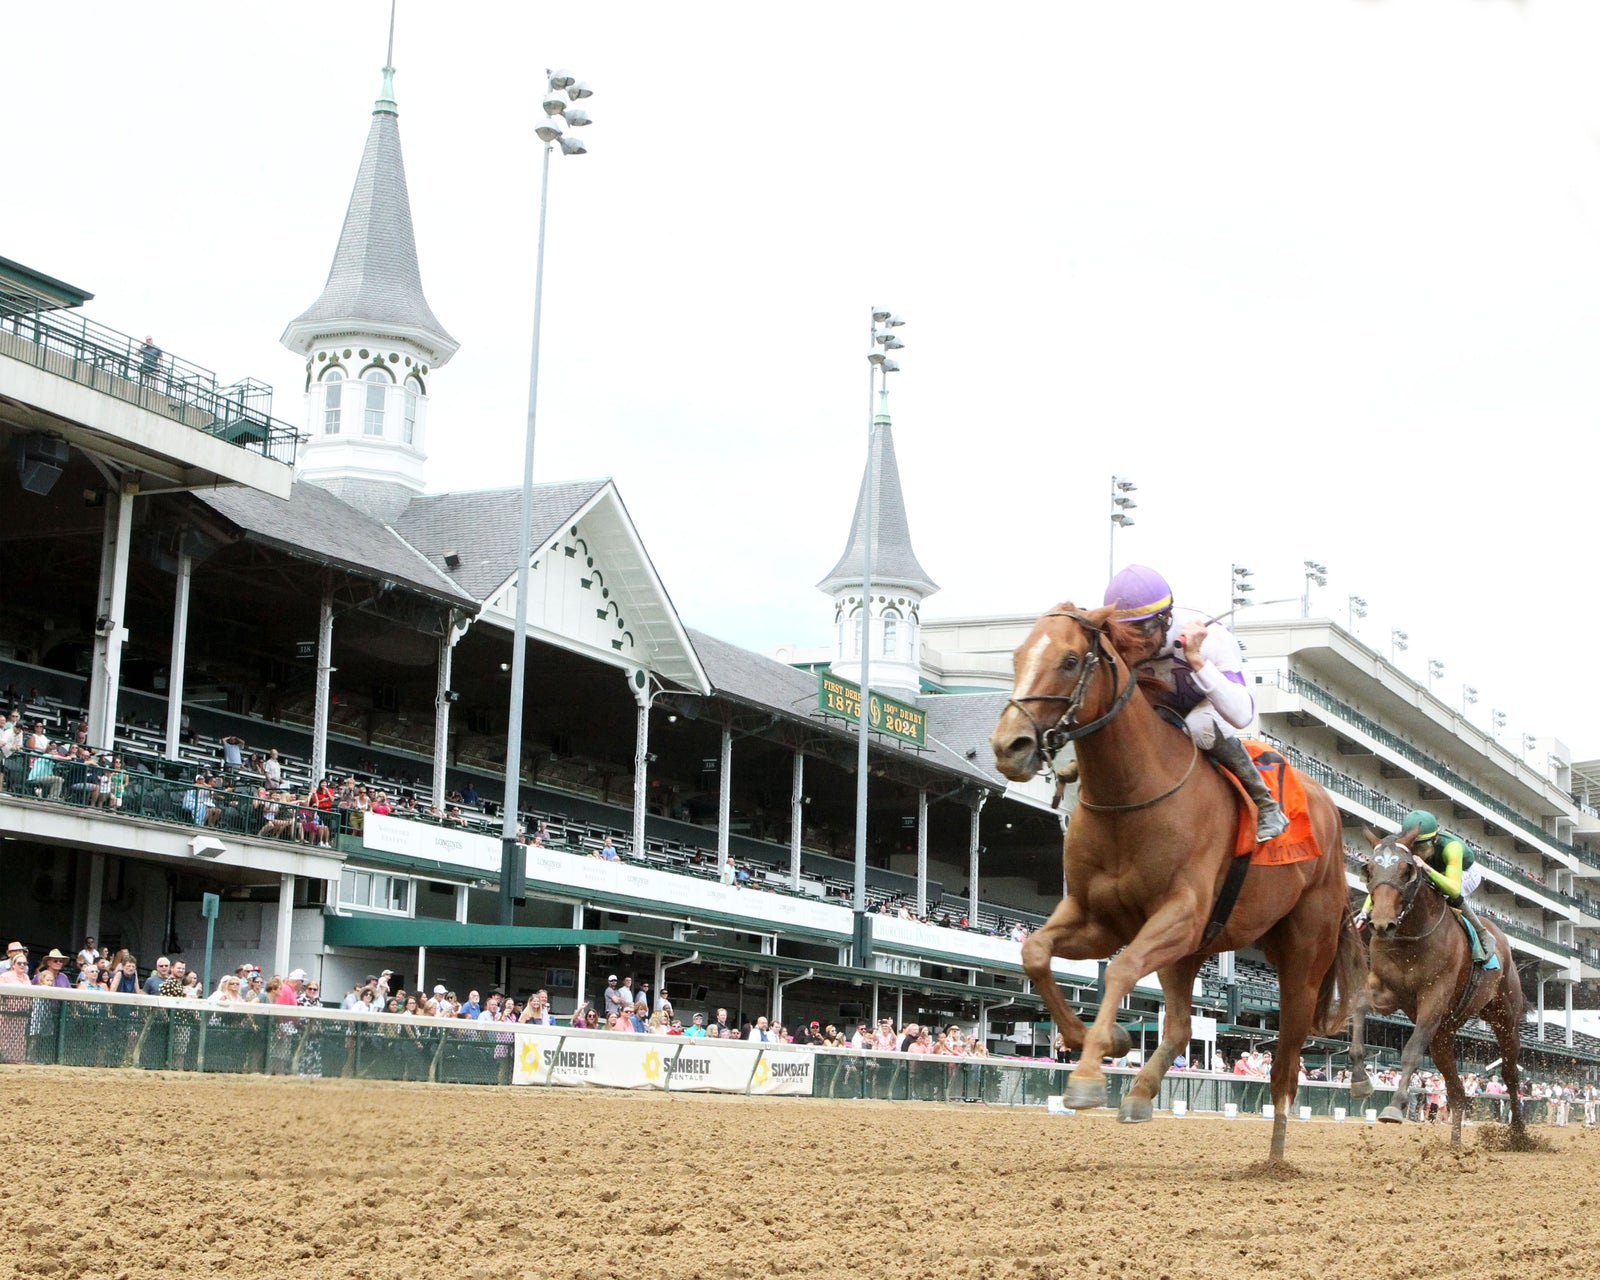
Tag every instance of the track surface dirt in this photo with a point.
(129, 1176)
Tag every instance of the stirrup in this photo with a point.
(1271, 822)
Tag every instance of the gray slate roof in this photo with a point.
(481, 527)
(893, 560)
(766, 682)
(313, 522)
(375, 277)
(962, 722)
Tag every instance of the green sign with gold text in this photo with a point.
(903, 720)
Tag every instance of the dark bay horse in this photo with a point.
(1149, 846)
(1421, 963)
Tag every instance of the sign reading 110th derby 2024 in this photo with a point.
(836, 697)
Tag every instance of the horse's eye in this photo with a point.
(1070, 662)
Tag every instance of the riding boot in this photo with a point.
(1231, 755)
(1480, 950)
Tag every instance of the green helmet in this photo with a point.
(1427, 826)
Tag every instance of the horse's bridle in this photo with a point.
(1066, 729)
(1408, 899)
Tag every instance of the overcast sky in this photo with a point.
(1323, 278)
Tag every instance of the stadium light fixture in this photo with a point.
(1121, 504)
(1469, 698)
(1316, 572)
(1357, 609)
(1497, 718)
(1435, 672)
(512, 854)
(879, 340)
(1242, 587)
(1398, 642)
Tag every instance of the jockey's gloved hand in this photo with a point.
(1361, 919)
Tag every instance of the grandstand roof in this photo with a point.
(375, 284)
(480, 526)
(776, 686)
(313, 524)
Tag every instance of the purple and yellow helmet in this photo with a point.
(1139, 592)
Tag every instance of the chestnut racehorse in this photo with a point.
(1422, 964)
(1146, 854)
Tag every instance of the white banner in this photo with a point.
(679, 1064)
(643, 886)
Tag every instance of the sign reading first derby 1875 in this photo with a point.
(836, 697)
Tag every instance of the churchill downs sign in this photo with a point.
(836, 697)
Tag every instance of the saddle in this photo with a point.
(1299, 842)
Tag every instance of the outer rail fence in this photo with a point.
(49, 1027)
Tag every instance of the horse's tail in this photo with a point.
(1343, 984)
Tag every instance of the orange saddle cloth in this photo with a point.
(1299, 842)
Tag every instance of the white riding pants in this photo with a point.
(1206, 725)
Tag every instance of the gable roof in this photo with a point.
(480, 526)
(375, 284)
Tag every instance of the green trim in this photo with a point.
(367, 931)
(35, 291)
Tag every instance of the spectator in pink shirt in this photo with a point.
(289, 992)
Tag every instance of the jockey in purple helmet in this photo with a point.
(1198, 667)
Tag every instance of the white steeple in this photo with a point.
(899, 582)
(371, 341)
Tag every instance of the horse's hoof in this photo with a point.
(1085, 1095)
(1121, 1042)
(1361, 1089)
(1135, 1111)
(1391, 1115)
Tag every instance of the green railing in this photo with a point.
(1354, 789)
(1298, 684)
(71, 345)
(49, 1027)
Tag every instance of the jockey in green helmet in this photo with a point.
(1450, 864)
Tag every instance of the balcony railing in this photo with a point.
(70, 345)
(1298, 684)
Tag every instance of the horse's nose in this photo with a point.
(1383, 929)
(1015, 755)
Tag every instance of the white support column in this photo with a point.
(1569, 984)
(874, 1006)
(641, 761)
(422, 973)
(110, 605)
(724, 799)
(461, 903)
(900, 1010)
(973, 850)
(797, 817)
(441, 715)
(97, 889)
(180, 647)
(285, 929)
(583, 973)
(1540, 972)
(922, 853)
(319, 727)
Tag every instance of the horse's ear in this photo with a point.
(1408, 837)
(1373, 838)
(1098, 618)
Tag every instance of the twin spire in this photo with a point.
(375, 284)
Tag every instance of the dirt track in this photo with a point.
(143, 1175)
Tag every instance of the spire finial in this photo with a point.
(386, 100)
(881, 419)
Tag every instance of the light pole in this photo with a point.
(879, 365)
(1529, 742)
(1398, 642)
(1242, 587)
(1469, 698)
(1497, 718)
(1435, 672)
(1121, 504)
(559, 117)
(1317, 573)
(1357, 609)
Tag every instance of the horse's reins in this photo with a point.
(1408, 899)
(1066, 729)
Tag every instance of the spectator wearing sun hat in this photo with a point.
(52, 971)
(289, 992)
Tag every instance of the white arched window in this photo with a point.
(332, 398)
(378, 383)
(856, 619)
(408, 423)
(891, 633)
